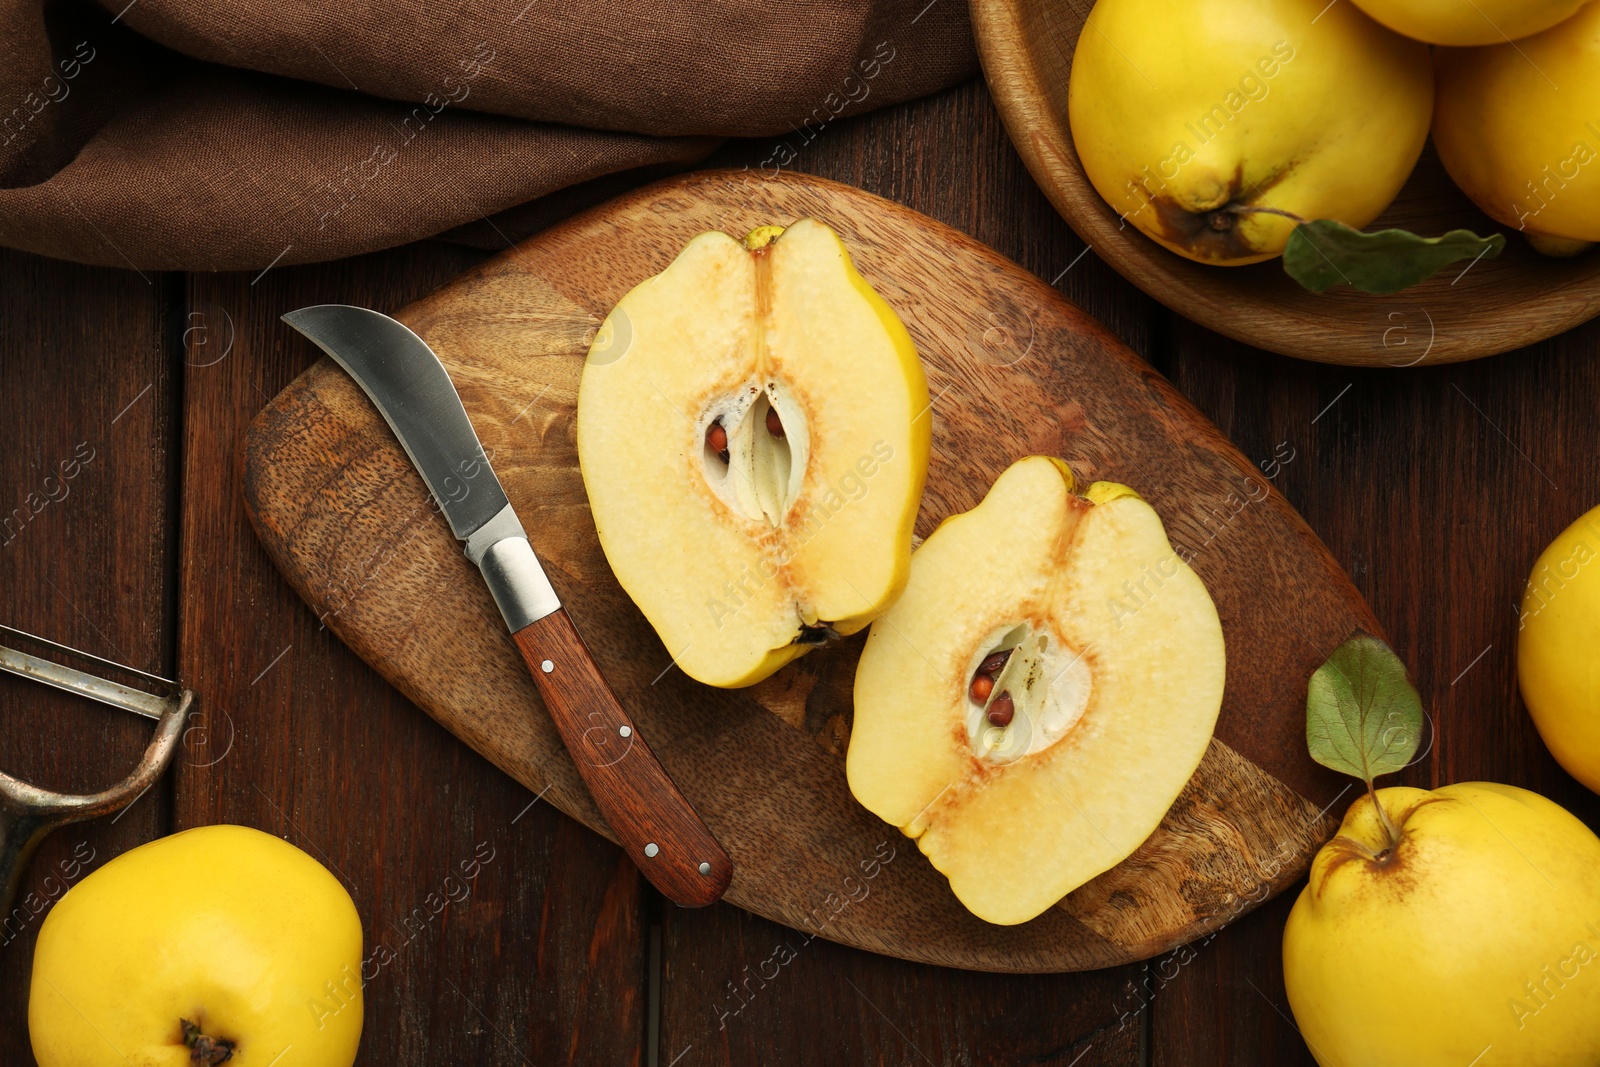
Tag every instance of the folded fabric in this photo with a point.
(236, 134)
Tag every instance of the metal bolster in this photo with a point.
(504, 524)
(500, 549)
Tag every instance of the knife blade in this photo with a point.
(410, 387)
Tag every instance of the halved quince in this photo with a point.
(753, 431)
(1037, 698)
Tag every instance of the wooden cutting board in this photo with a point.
(1014, 369)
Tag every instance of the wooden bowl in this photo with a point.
(1026, 47)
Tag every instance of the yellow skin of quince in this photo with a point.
(1209, 123)
(1469, 22)
(1558, 648)
(1526, 151)
(225, 926)
(1474, 941)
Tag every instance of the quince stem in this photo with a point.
(1252, 209)
(1389, 828)
(204, 1050)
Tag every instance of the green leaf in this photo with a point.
(1363, 716)
(1326, 253)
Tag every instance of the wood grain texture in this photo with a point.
(741, 990)
(87, 464)
(1517, 299)
(340, 510)
(656, 827)
(497, 931)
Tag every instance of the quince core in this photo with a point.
(1109, 689)
(753, 431)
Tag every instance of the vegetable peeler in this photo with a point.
(27, 813)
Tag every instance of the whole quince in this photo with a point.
(1469, 22)
(1471, 938)
(1214, 126)
(1558, 648)
(1518, 127)
(217, 945)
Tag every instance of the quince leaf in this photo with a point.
(1363, 716)
(1325, 253)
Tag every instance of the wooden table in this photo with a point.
(1436, 488)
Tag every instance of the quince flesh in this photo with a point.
(753, 430)
(1114, 680)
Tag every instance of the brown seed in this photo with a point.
(717, 439)
(993, 662)
(982, 686)
(774, 424)
(1002, 711)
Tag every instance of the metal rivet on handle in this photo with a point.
(651, 850)
(705, 868)
(547, 666)
(625, 731)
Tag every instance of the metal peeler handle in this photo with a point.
(27, 813)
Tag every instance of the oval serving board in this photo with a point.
(1014, 369)
(1499, 304)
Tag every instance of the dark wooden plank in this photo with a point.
(1221, 1000)
(498, 931)
(742, 990)
(1517, 436)
(87, 403)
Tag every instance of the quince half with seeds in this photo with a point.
(753, 429)
(1036, 700)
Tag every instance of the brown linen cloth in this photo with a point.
(237, 134)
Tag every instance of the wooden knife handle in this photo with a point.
(652, 820)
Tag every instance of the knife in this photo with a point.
(410, 387)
